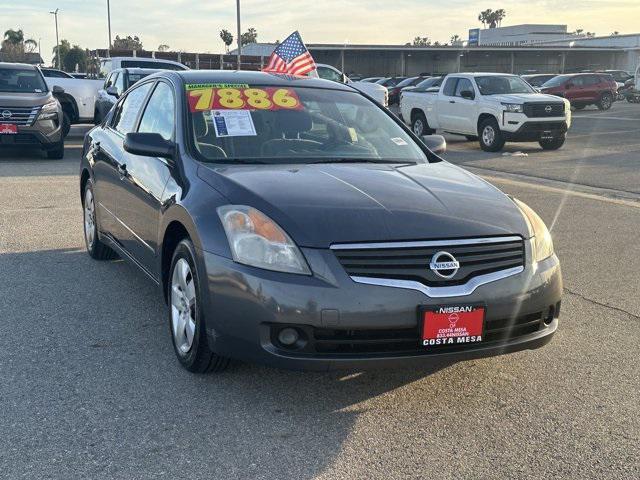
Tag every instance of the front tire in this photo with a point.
(57, 152)
(490, 136)
(606, 100)
(554, 143)
(186, 316)
(95, 248)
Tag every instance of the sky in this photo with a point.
(192, 25)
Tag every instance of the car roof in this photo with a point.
(255, 78)
(17, 66)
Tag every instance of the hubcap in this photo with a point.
(418, 127)
(488, 135)
(89, 218)
(183, 306)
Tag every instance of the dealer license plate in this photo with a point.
(8, 129)
(546, 135)
(450, 325)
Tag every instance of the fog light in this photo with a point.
(288, 336)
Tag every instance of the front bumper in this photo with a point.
(44, 134)
(535, 130)
(245, 307)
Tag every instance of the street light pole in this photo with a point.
(55, 14)
(239, 34)
(109, 24)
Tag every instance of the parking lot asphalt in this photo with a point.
(90, 388)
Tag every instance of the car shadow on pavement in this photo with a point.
(88, 376)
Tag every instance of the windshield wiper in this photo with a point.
(362, 160)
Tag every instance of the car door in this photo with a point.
(139, 205)
(123, 121)
(445, 104)
(464, 110)
(575, 89)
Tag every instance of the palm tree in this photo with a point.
(14, 37)
(30, 45)
(227, 38)
(163, 48)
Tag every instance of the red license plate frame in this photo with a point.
(452, 325)
(8, 129)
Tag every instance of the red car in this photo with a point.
(583, 89)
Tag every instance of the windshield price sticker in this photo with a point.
(241, 97)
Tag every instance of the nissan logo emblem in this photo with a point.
(6, 114)
(548, 109)
(444, 265)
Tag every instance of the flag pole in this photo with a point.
(239, 38)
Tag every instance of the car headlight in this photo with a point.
(258, 241)
(542, 243)
(49, 111)
(512, 107)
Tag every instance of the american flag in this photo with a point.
(291, 57)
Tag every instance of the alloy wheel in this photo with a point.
(418, 127)
(183, 306)
(488, 135)
(89, 218)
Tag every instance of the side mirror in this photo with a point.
(113, 91)
(468, 94)
(57, 90)
(436, 143)
(148, 145)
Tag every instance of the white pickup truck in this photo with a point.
(490, 107)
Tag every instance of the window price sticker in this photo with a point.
(233, 123)
(203, 97)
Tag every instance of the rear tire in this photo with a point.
(95, 248)
(420, 126)
(606, 100)
(186, 316)
(56, 153)
(553, 144)
(490, 136)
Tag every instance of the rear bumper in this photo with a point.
(245, 308)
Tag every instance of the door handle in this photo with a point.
(122, 170)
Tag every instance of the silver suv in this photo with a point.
(30, 115)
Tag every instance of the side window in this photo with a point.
(125, 119)
(329, 74)
(450, 87)
(464, 84)
(578, 81)
(108, 81)
(159, 116)
(119, 83)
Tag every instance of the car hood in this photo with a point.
(21, 99)
(322, 204)
(524, 98)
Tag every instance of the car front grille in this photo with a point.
(537, 110)
(24, 116)
(411, 260)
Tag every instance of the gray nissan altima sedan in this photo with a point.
(294, 222)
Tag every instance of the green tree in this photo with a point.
(492, 18)
(163, 48)
(127, 43)
(421, 42)
(65, 46)
(227, 38)
(14, 37)
(75, 60)
(30, 45)
(250, 36)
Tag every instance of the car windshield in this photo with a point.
(555, 81)
(407, 82)
(499, 85)
(243, 124)
(430, 82)
(21, 80)
(136, 77)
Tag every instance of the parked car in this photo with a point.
(375, 91)
(583, 89)
(372, 79)
(390, 81)
(117, 82)
(30, 115)
(394, 92)
(490, 107)
(78, 99)
(620, 76)
(276, 233)
(113, 63)
(539, 79)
